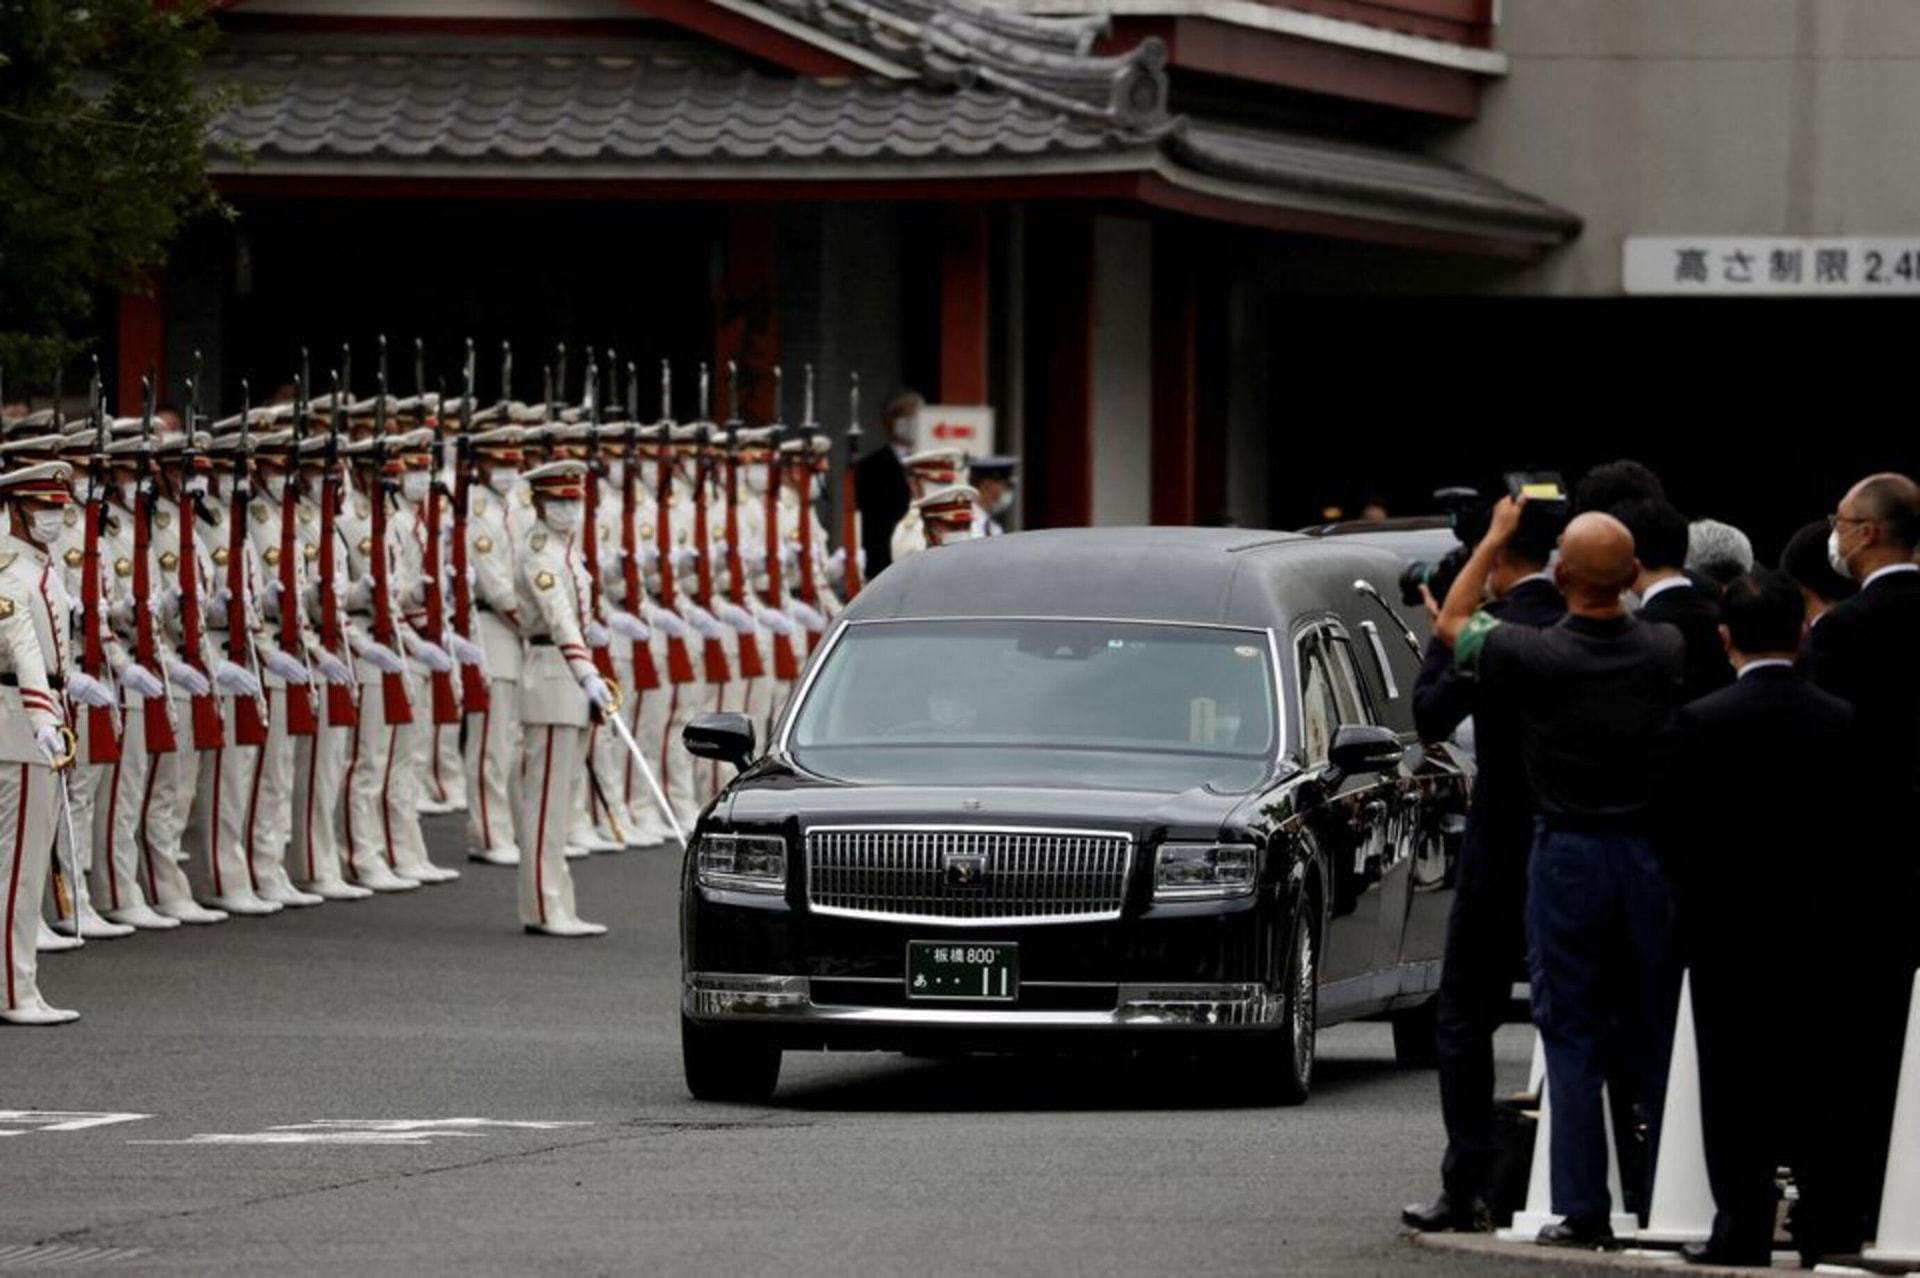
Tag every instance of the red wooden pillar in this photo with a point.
(746, 313)
(143, 345)
(1175, 379)
(1059, 360)
(965, 261)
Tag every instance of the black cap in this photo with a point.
(998, 467)
(1805, 560)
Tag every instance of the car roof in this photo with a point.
(1208, 576)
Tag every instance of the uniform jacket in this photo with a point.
(552, 580)
(33, 624)
(496, 593)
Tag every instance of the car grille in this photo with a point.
(1018, 876)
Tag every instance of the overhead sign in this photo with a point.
(1770, 266)
(968, 427)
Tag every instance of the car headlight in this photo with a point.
(742, 863)
(1204, 871)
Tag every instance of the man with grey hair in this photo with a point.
(1719, 552)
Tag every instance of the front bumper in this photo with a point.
(739, 998)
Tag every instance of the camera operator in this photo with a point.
(1595, 694)
(1486, 929)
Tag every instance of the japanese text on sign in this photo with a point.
(1741, 266)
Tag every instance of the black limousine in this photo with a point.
(1092, 789)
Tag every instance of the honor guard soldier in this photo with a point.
(34, 737)
(993, 476)
(410, 470)
(927, 471)
(493, 734)
(444, 783)
(774, 632)
(559, 693)
(946, 514)
(677, 564)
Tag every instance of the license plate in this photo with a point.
(988, 971)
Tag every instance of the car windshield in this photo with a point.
(1122, 705)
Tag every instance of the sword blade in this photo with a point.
(646, 771)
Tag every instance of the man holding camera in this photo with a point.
(1595, 694)
(1486, 929)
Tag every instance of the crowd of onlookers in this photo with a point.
(1688, 762)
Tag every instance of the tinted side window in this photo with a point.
(1319, 709)
(1347, 693)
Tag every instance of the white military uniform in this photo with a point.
(493, 734)
(413, 741)
(687, 700)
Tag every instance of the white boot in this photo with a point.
(38, 1013)
(51, 942)
(243, 903)
(567, 927)
(338, 891)
(143, 917)
(187, 911)
(377, 876)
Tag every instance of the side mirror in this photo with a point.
(1360, 748)
(725, 737)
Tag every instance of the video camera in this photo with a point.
(1549, 507)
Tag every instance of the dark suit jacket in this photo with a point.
(884, 498)
(1696, 614)
(1500, 823)
(1761, 784)
(1866, 651)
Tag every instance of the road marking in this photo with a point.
(366, 1131)
(21, 1122)
(52, 1257)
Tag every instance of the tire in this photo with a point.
(1277, 1067)
(1415, 1044)
(727, 1064)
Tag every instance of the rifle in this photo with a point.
(393, 686)
(343, 706)
(302, 721)
(809, 591)
(249, 716)
(713, 652)
(786, 665)
(209, 733)
(751, 666)
(103, 735)
(679, 663)
(157, 712)
(590, 521)
(446, 706)
(645, 673)
(474, 694)
(850, 500)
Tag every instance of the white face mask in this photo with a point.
(616, 473)
(503, 481)
(1004, 502)
(756, 478)
(275, 486)
(196, 486)
(414, 484)
(1834, 557)
(45, 526)
(564, 516)
(223, 487)
(129, 491)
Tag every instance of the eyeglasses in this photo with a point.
(1835, 520)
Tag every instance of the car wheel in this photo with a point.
(1277, 1067)
(1415, 1041)
(723, 1063)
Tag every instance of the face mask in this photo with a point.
(223, 487)
(129, 490)
(503, 482)
(1834, 557)
(45, 526)
(413, 486)
(196, 486)
(756, 478)
(617, 473)
(1004, 502)
(564, 516)
(275, 486)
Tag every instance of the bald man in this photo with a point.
(1596, 695)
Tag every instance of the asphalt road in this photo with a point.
(295, 1077)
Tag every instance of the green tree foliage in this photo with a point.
(102, 158)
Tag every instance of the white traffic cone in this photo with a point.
(1683, 1205)
(1899, 1239)
(1539, 1213)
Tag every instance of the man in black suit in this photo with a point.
(1668, 595)
(1805, 560)
(1486, 928)
(882, 480)
(1749, 912)
(1866, 651)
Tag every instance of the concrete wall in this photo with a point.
(1122, 370)
(1697, 117)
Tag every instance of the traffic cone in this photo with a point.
(1539, 1213)
(1683, 1206)
(1899, 1240)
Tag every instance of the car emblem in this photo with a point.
(969, 805)
(964, 869)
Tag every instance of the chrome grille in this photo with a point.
(1027, 876)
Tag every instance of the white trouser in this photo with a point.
(143, 797)
(552, 760)
(683, 703)
(87, 791)
(226, 780)
(372, 755)
(642, 811)
(27, 803)
(270, 814)
(413, 744)
(319, 776)
(492, 764)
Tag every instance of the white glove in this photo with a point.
(359, 597)
(807, 616)
(235, 681)
(288, 667)
(705, 622)
(140, 681)
(596, 635)
(597, 691)
(666, 623)
(625, 623)
(51, 743)
(789, 553)
(754, 560)
(683, 559)
(89, 691)
(719, 549)
(166, 602)
(650, 557)
(736, 616)
(775, 620)
(332, 669)
(430, 655)
(382, 658)
(464, 650)
(188, 680)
